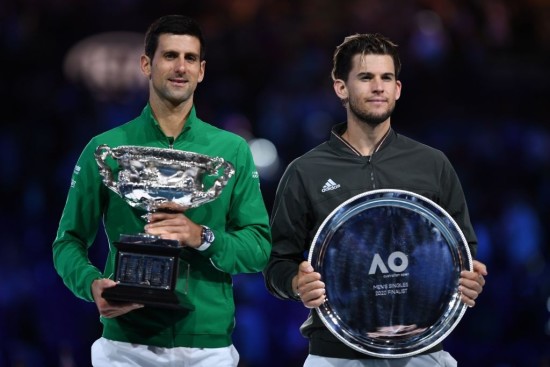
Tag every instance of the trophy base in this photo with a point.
(146, 270)
(157, 298)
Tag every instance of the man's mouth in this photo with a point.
(178, 80)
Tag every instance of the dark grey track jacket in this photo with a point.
(314, 184)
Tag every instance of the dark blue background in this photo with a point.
(475, 85)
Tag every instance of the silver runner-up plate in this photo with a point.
(390, 261)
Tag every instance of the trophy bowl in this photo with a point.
(156, 179)
(391, 262)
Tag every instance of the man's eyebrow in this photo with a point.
(370, 73)
(185, 53)
(364, 73)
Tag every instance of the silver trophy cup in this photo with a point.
(156, 179)
(391, 261)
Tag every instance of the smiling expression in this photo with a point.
(175, 69)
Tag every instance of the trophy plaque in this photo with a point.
(156, 179)
(391, 262)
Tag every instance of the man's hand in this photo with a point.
(471, 283)
(308, 286)
(106, 308)
(175, 226)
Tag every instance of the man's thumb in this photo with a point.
(305, 267)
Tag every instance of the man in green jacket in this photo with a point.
(134, 335)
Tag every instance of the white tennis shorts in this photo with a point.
(109, 353)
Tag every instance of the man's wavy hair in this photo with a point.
(363, 44)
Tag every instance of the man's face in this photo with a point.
(175, 69)
(371, 88)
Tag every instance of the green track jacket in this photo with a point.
(238, 218)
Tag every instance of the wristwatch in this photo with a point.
(207, 237)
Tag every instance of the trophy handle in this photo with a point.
(101, 153)
(219, 184)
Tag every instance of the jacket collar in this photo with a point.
(151, 121)
(337, 143)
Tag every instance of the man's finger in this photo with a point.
(305, 267)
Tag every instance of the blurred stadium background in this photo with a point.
(475, 84)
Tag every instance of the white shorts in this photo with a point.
(436, 359)
(109, 353)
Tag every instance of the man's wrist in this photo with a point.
(207, 238)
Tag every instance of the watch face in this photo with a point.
(391, 261)
(207, 235)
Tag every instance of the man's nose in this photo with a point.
(377, 84)
(180, 65)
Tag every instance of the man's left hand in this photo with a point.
(471, 283)
(175, 226)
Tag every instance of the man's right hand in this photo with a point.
(106, 308)
(308, 286)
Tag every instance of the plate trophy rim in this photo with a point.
(327, 314)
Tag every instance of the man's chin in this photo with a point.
(374, 121)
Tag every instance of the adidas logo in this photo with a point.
(330, 185)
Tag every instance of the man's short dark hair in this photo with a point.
(172, 24)
(364, 44)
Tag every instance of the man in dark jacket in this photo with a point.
(363, 154)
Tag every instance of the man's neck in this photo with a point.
(171, 118)
(366, 139)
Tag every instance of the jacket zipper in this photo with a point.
(372, 154)
(371, 171)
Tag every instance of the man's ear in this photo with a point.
(145, 63)
(340, 89)
(398, 90)
(202, 70)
